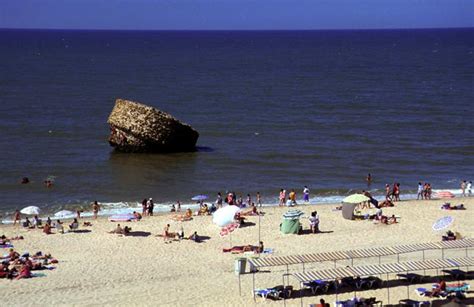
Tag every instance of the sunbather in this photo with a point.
(25, 272)
(441, 287)
(195, 237)
(449, 236)
(59, 226)
(74, 224)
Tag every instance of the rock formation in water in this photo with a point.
(135, 127)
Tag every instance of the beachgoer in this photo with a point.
(144, 209)
(149, 206)
(59, 226)
(126, 230)
(78, 214)
(117, 230)
(314, 222)
(27, 223)
(240, 202)
(195, 237)
(48, 183)
(219, 200)
(306, 194)
(420, 191)
(395, 192)
(282, 197)
(388, 192)
(463, 188)
(292, 197)
(173, 208)
(469, 188)
(260, 247)
(249, 200)
(428, 191)
(25, 272)
(322, 303)
(178, 206)
(166, 231)
(369, 179)
(137, 215)
(229, 199)
(25, 180)
(48, 221)
(440, 287)
(36, 221)
(181, 233)
(95, 209)
(47, 229)
(16, 217)
(74, 224)
(259, 199)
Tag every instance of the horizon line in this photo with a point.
(238, 30)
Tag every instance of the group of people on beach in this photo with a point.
(16, 266)
(424, 191)
(290, 199)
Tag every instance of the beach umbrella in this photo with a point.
(225, 215)
(293, 214)
(444, 194)
(355, 199)
(443, 223)
(30, 210)
(199, 197)
(63, 214)
(127, 217)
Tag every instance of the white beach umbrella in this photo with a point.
(225, 216)
(31, 210)
(64, 213)
(355, 199)
(443, 223)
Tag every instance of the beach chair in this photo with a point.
(412, 277)
(423, 292)
(276, 293)
(410, 302)
(458, 288)
(317, 285)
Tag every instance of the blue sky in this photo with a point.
(233, 14)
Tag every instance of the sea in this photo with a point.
(274, 109)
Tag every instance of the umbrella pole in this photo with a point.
(258, 230)
(240, 288)
(388, 290)
(253, 286)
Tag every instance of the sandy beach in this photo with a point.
(98, 268)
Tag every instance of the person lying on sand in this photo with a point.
(195, 237)
(252, 211)
(4, 240)
(386, 203)
(186, 217)
(137, 215)
(388, 220)
(245, 248)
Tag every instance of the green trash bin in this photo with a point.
(240, 264)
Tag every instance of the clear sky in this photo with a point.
(235, 14)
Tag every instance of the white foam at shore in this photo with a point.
(112, 208)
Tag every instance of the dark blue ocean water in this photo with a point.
(274, 110)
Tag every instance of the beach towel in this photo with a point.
(8, 245)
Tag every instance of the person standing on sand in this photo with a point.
(463, 188)
(387, 192)
(219, 200)
(95, 209)
(16, 217)
(469, 188)
(419, 193)
(282, 198)
(292, 197)
(166, 232)
(306, 194)
(178, 207)
(149, 206)
(259, 199)
(144, 207)
(249, 200)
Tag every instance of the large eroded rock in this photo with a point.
(135, 127)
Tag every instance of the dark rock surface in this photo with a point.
(135, 127)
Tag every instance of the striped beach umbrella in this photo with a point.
(293, 214)
(444, 194)
(443, 223)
